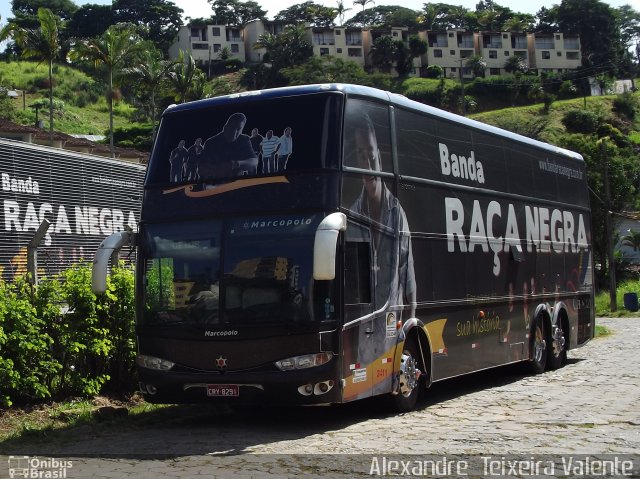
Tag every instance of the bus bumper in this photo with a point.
(319, 386)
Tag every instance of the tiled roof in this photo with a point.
(11, 130)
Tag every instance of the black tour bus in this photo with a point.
(326, 243)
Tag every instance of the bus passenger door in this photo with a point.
(358, 309)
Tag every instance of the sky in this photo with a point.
(202, 8)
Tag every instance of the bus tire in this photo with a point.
(538, 361)
(557, 350)
(406, 397)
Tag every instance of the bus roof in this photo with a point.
(374, 93)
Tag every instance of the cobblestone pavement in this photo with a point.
(591, 407)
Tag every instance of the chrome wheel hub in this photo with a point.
(409, 374)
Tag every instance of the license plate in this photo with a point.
(223, 390)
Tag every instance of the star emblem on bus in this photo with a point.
(221, 362)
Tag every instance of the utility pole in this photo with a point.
(464, 103)
(610, 258)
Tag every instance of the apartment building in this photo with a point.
(553, 52)
(252, 31)
(341, 42)
(450, 50)
(542, 52)
(206, 43)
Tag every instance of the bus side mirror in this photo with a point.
(108, 248)
(325, 246)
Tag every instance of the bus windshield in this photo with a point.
(263, 275)
(220, 141)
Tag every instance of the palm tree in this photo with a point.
(363, 3)
(151, 72)
(632, 239)
(42, 42)
(341, 10)
(182, 75)
(118, 45)
(477, 65)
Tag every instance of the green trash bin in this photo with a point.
(631, 301)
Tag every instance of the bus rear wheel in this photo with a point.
(406, 397)
(538, 361)
(557, 356)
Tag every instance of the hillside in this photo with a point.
(82, 104)
(83, 108)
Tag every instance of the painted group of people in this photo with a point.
(273, 152)
(231, 153)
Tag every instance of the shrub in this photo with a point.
(434, 71)
(626, 105)
(47, 353)
(581, 121)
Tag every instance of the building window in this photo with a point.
(235, 48)
(354, 52)
(338, 33)
(450, 34)
(215, 31)
(338, 50)
(559, 54)
(546, 55)
(493, 54)
(452, 52)
(324, 51)
(572, 56)
(454, 69)
(437, 53)
(217, 47)
(466, 53)
(494, 71)
(505, 35)
(195, 32)
(199, 46)
(557, 37)
(506, 53)
(395, 34)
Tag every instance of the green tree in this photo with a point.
(519, 23)
(236, 13)
(631, 239)
(150, 73)
(158, 20)
(42, 43)
(598, 27)
(384, 17)
(113, 50)
(623, 172)
(326, 69)
(515, 64)
(491, 16)
(27, 10)
(308, 12)
(90, 20)
(383, 53)
(477, 65)
(341, 10)
(289, 48)
(182, 75)
(363, 3)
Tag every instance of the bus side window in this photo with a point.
(357, 278)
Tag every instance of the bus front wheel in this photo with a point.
(406, 397)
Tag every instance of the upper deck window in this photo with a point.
(246, 138)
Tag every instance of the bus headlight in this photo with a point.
(305, 361)
(151, 362)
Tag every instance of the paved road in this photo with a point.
(482, 425)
